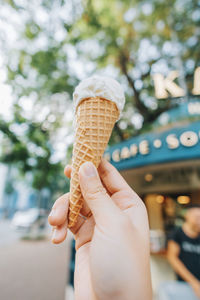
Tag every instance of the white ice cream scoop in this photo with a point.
(100, 86)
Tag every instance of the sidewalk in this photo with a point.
(33, 270)
(7, 234)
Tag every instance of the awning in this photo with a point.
(179, 143)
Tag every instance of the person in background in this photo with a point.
(184, 256)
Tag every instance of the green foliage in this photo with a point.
(31, 154)
(131, 40)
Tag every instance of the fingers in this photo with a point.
(58, 214)
(85, 209)
(111, 178)
(68, 171)
(114, 183)
(58, 218)
(59, 233)
(99, 202)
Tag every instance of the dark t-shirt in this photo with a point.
(189, 251)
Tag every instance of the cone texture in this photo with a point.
(95, 119)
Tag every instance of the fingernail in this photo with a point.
(52, 213)
(54, 234)
(89, 169)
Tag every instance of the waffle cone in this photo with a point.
(95, 119)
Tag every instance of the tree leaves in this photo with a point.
(129, 40)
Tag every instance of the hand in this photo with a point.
(196, 287)
(112, 246)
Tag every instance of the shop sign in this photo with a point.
(193, 108)
(156, 147)
(165, 86)
(180, 112)
(186, 139)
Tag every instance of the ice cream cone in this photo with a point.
(98, 103)
(95, 119)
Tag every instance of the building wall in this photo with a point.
(195, 195)
(154, 210)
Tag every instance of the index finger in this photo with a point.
(112, 179)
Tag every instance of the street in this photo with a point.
(38, 270)
(7, 235)
(31, 269)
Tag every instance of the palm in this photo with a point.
(112, 245)
(89, 238)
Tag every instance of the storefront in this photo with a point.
(163, 167)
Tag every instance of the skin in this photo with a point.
(191, 227)
(112, 246)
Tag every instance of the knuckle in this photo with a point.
(141, 206)
(95, 193)
(57, 219)
(61, 200)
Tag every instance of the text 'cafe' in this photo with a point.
(163, 167)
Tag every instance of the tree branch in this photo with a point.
(137, 102)
(153, 115)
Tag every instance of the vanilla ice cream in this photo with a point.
(100, 86)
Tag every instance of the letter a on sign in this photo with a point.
(162, 85)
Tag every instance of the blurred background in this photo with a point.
(46, 47)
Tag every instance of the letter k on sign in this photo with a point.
(162, 85)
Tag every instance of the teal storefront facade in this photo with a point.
(179, 143)
(163, 166)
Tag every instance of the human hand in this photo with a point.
(195, 284)
(112, 246)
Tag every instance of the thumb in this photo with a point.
(101, 205)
